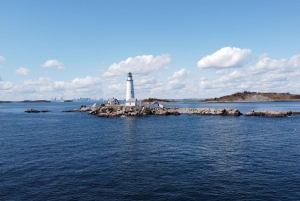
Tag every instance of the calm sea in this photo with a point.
(77, 156)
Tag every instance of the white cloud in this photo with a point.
(294, 61)
(46, 88)
(148, 86)
(262, 56)
(267, 64)
(227, 57)
(144, 80)
(177, 81)
(2, 58)
(5, 86)
(266, 75)
(179, 75)
(117, 87)
(146, 83)
(270, 65)
(85, 82)
(39, 81)
(22, 71)
(139, 65)
(237, 74)
(222, 71)
(53, 63)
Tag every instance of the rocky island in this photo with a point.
(35, 101)
(35, 111)
(122, 110)
(5, 102)
(153, 100)
(271, 113)
(248, 96)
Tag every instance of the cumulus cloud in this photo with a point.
(222, 71)
(2, 58)
(22, 71)
(175, 86)
(262, 56)
(53, 63)
(5, 86)
(227, 57)
(142, 65)
(86, 82)
(117, 87)
(146, 83)
(268, 65)
(294, 62)
(179, 75)
(47, 88)
(177, 80)
(266, 75)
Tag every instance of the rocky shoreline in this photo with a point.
(122, 110)
(271, 113)
(248, 96)
(36, 111)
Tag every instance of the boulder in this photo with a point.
(234, 112)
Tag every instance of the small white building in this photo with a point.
(113, 101)
(156, 104)
(132, 102)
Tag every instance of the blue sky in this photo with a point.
(175, 49)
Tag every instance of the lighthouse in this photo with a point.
(130, 99)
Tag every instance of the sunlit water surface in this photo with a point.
(77, 156)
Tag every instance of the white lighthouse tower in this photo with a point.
(130, 100)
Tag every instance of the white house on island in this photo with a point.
(130, 99)
(113, 101)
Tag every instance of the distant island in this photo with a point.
(35, 101)
(5, 102)
(151, 100)
(248, 96)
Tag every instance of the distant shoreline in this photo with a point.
(6, 102)
(294, 100)
(34, 101)
(248, 96)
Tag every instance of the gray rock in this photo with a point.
(269, 113)
(35, 111)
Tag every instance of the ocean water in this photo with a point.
(77, 156)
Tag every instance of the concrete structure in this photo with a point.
(132, 102)
(113, 101)
(130, 99)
